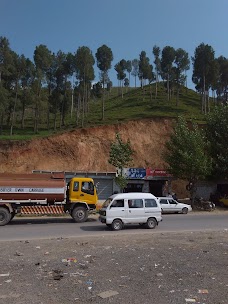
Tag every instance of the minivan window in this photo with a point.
(150, 203)
(106, 203)
(135, 203)
(117, 203)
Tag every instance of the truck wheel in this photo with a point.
(5, 216)
(151, 223)
(117, 225)
(79, 214)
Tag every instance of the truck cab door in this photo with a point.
(82, 191)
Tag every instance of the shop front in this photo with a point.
(155, 181)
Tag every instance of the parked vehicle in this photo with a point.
(169, 205)
(131, 208)
(45, 193)
(201, 204)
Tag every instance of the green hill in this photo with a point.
(137, 104)
(134, 105)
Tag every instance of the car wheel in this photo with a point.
(185, 210)
(151, 223)
(117, 225)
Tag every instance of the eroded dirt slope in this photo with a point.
(87, 149)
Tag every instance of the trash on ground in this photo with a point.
(190, 300)
(107, 294)
(57, 274)
(4, 274)
(202, 291)
(19, 253)
(69, 260)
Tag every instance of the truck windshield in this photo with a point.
(106, 203)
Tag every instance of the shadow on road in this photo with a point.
(45, 220)
(103, 227)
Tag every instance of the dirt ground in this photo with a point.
(161, 268)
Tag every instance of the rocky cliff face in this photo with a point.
(87, 149)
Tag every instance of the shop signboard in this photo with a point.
(151, 173)
(135, 173)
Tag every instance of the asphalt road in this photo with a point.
(47, 227)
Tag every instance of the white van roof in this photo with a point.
(133, 195)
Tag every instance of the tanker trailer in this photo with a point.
(46, 193)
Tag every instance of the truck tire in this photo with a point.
(5, 216)
(79, 214)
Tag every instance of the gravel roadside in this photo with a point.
(150, 268)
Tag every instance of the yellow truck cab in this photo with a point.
(81, 198)
(82, 189)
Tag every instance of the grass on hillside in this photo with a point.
(135, 104)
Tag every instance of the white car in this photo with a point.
(169, 205)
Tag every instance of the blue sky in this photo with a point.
(126, 26)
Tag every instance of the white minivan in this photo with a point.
(131, 208)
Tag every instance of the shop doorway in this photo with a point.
(133, 187)
(156, 187)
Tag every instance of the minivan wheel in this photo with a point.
(151, 223)
(185, 210)
(117, 225)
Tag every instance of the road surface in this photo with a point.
(47, 227)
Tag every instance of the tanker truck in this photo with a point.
(46, 193)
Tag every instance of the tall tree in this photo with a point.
(104, 58)
(182, 64)
(217, 130)
(120, 156)
(151, 78)
(203, 65)
(135, 69)
(43, 61)
(167, 60)
(144, 67)
(120, 68)
(221, 83)
(84, 62)
(129, 69)
(186, 154)
(157, 62)
(19, 70)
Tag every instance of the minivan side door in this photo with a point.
(116, 210)
(135, 211)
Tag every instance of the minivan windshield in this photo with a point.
(106, 203)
